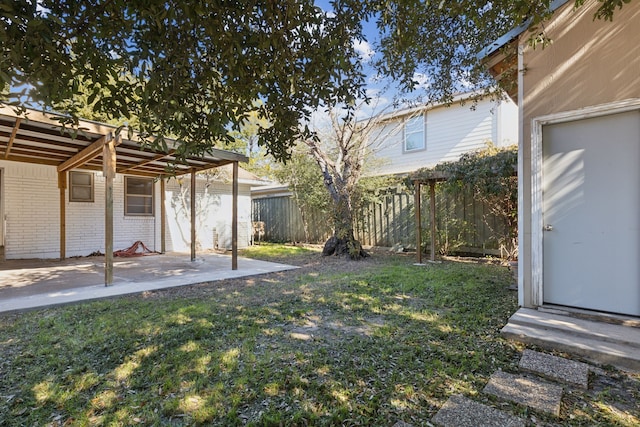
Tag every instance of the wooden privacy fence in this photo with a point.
(283, 221)
(463, 224)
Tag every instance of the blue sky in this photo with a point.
(380, 91)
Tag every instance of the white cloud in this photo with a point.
(422, 80)
(364, 49)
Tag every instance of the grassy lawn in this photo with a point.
(370, 344)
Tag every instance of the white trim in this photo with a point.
(3, 217)
(536, 213)
(521, 235)
(72, 185)
(127, 213)
(407, 120)
(536, 178)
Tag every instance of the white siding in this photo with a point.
(214, 204)
(451, 131)
(31, 206)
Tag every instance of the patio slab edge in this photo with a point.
(125, 287)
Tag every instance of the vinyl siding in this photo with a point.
(214, 202)
(450, 132)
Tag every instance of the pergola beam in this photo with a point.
(432, 199)
(193, 214)
(417, 207)
(12, 137)
(88, 153)
(62, 187)
(146, 162)
(433, 178)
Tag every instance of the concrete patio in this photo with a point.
(27, 284)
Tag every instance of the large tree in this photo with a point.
(344, 150)
(190, 69)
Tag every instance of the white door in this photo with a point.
(591, 213)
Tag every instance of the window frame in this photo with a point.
(127, 195)
(410, 122)
(73, 185)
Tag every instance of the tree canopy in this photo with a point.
(434, 45)
(195, 70)
(189, 69)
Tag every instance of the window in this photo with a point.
(414, 133)
(80, 186)
(138, 196)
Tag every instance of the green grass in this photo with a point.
(271, 250)
(387, 343)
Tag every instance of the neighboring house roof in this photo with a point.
(273, 189)
(460, 97)
(244, 176)
(38, 138)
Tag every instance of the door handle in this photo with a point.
(548, 227)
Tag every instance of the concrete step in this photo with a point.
(608, 332)
(600, 342)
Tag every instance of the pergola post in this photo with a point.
(416, 204)
(193, 214)
(163, 216)
(234, 219)
(62, 186)
(432, 198)
(109, 172)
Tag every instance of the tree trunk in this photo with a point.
(343, 242)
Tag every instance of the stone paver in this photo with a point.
(556, 368)
(459, 411)
(526, 391)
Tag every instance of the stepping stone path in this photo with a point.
(526, 391)
(537, 388)
(462, 412)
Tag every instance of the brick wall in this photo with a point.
(31, 206)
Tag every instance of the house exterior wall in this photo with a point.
(589, 62)
(450, 132)
(31, 211)
(214, 202)
(31, 208)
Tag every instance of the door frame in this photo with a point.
(536, 178)
(3, 221)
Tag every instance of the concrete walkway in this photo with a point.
(28, 284)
